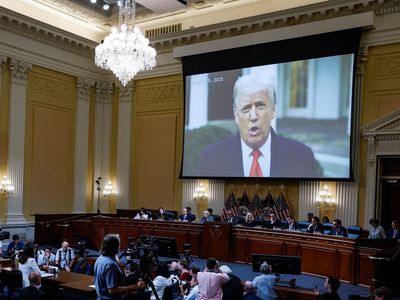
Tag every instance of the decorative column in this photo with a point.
(102, 138)
(19, 72)
(81, 144)
(216, 189)
(124, 146)
(308, 194)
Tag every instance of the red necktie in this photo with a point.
(255, 170)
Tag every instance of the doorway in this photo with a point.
(388, 204)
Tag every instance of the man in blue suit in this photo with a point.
(394, 232)
(256, 150)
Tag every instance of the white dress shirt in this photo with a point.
(264, 160)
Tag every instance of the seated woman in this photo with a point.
(206, 217)
(376, 231)
(142, 215)
(162, 214)
(249, 220)
(27, 264)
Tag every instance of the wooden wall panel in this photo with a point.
(380, 97)
(51, 158)
(50, 142)
(157, 142)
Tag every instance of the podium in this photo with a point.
(216, 238)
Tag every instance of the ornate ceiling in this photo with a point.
(80, 17)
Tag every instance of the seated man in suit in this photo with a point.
(394, 232)
(186, 215)
(315, 226)
(234, 220)
(291, 224)
(273, 222)
(33, 292)
(256, 150)
(338, 229)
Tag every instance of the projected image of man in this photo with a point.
(256, 150)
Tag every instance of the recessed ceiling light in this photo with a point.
(93, 1)
(106, 6)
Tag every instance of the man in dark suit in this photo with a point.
(32, 292)
(338, 229)
(187, 215)
(394, 232)
(256, 150)
(315, 226)
(291, 224)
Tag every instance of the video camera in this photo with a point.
(146, 249)
(4, 235)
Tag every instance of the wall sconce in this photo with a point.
(325, 199)
(6, 188)
(200, 193)
(108, 190)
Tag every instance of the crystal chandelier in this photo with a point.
(125, 51)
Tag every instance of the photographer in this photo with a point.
(163, 280)
(132, 274)
(108, 277)
(211, 281)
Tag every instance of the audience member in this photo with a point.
(27, 264)
(211, 281)
(162, 280)
(15, 246)
(291, 224)
(186, 215)
(376, 231)
(338, 229)
(315, 226)
(132, 274)
(265, 282)
(193, 289)
(325, 219)
(142, 215)
(65, 257)
(13, 285)
(233, 288)
(249, 291)
(108, 277)
(83, 266)
(383, 293)
(47, 258)
(33, 292)
(37, 252)
(273, 222)
(206, 217)
(183, 269)
(331, 284)
(394, 232)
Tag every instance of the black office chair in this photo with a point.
(303, 225)
(217, 218)
(354, 231)
(327, 227)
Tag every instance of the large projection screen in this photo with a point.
(296, 112)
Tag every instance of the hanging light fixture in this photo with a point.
(125, 51)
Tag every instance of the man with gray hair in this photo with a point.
(232, 290)
(265, 282)
(32, 292)
(256, 150)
